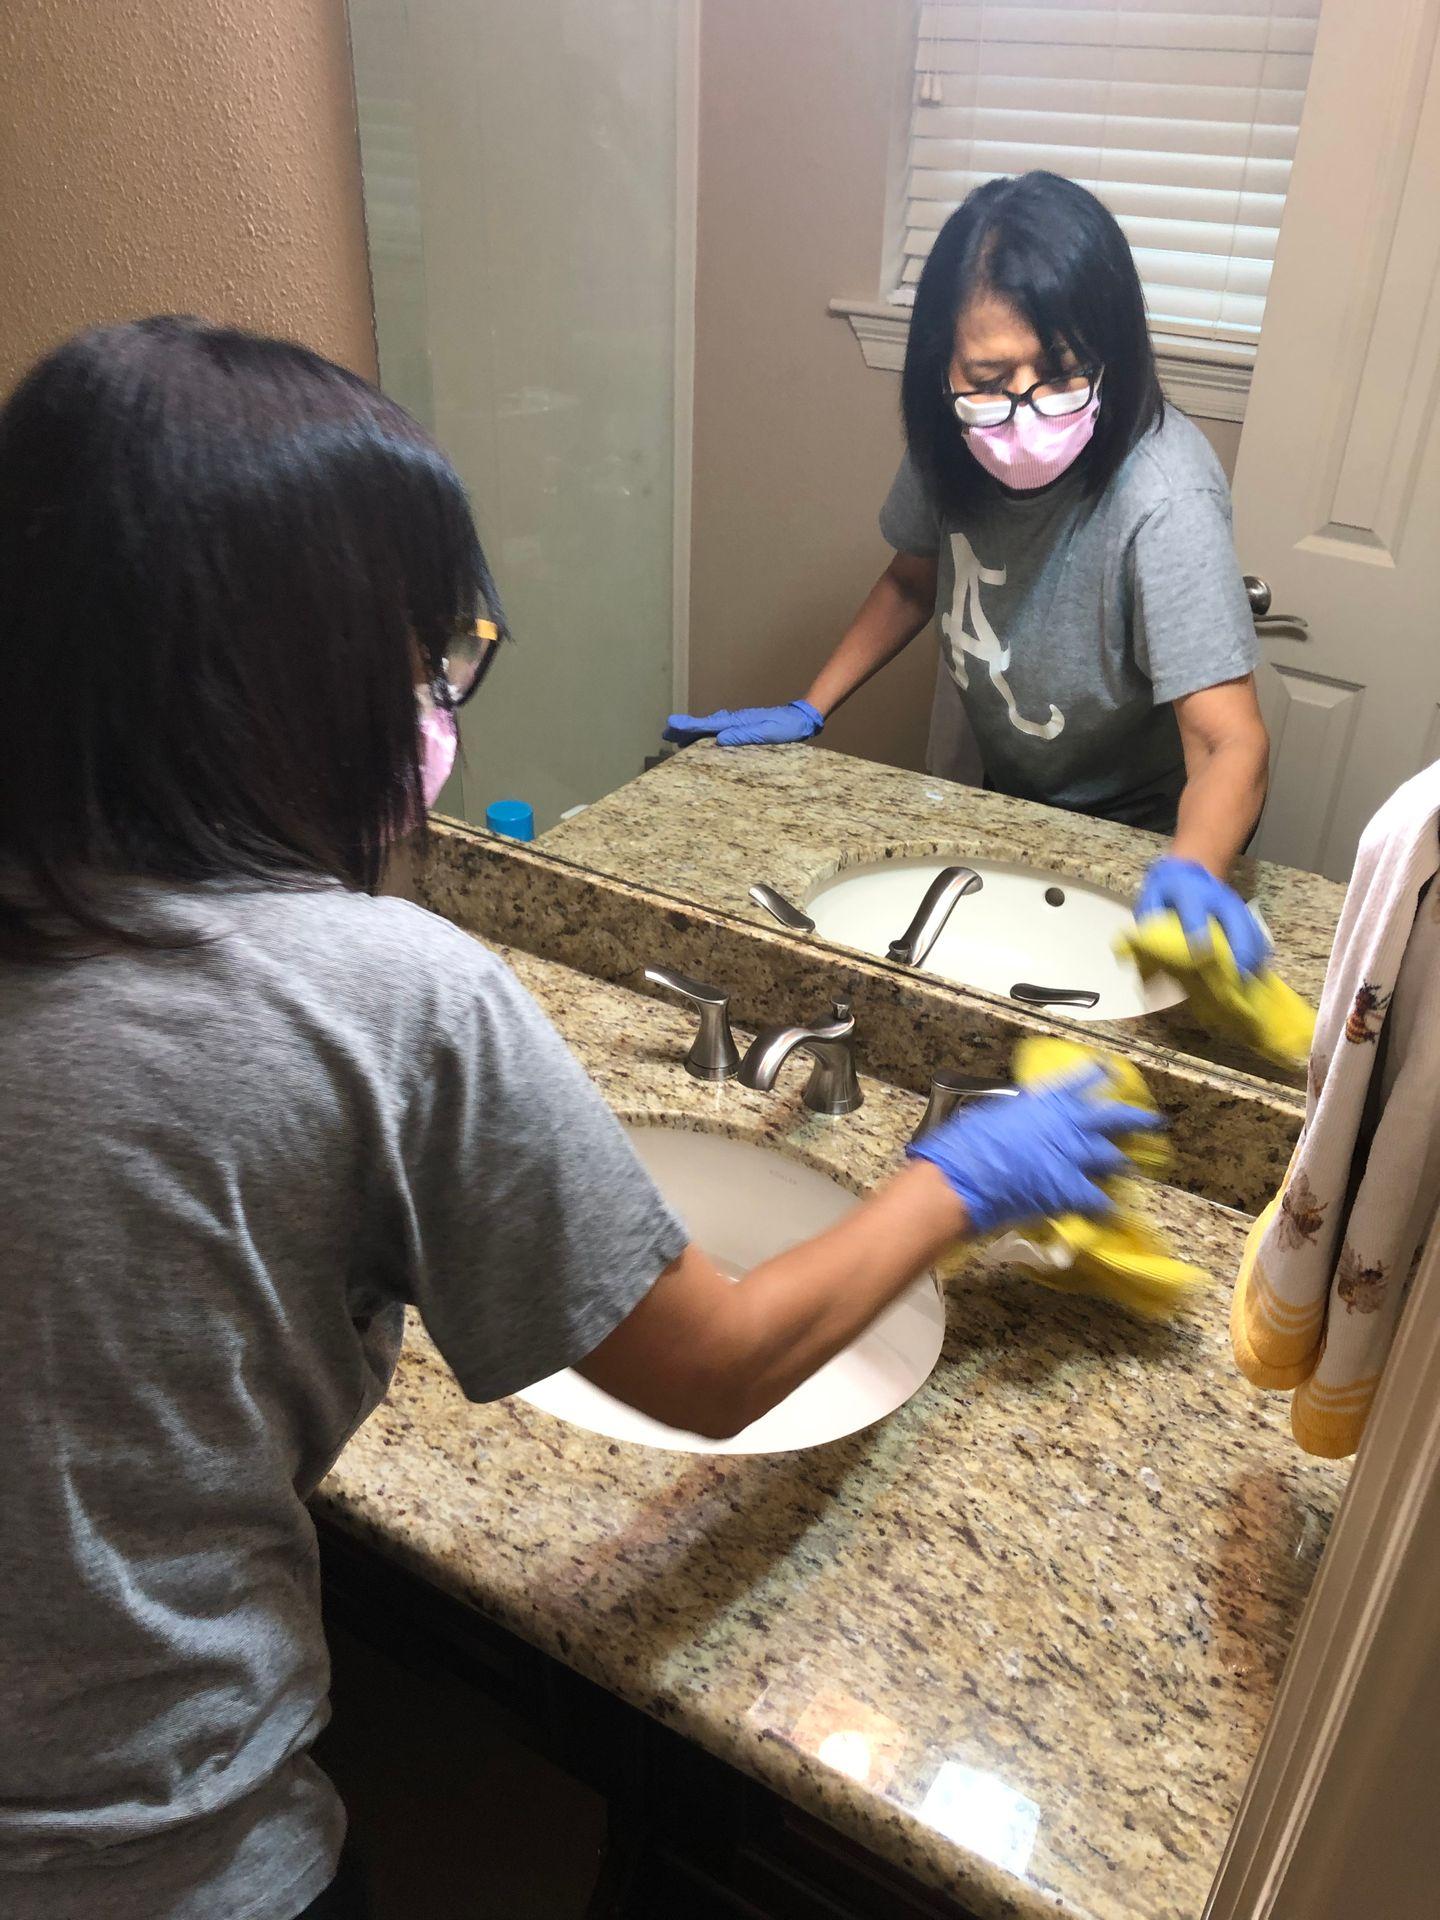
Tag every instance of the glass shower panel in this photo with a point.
(519, 162)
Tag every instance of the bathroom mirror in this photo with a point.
(643, 266)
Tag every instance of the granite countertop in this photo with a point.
(1020, 1639)
(709, 822)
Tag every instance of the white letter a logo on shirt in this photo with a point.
(982, 642)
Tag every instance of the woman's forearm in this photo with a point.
(1221, 803)
(899, 605)
(700, 1352)
(793, 1313)
(711, 1355)
(1227, 765)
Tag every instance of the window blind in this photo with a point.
(1180, 114)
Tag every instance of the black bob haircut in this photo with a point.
(225, 564)
(1050, 249)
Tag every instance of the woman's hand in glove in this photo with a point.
(1186, 888)
(748, 726)
(1034, 1155)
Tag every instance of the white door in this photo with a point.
(1337, 484)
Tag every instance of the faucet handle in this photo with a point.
(714, 1055)
(834, 1085)
(950, 1088)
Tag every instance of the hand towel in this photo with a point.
(1329, 1263)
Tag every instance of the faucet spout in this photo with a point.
(833, 1086)
(948, 886)
(769, 1051)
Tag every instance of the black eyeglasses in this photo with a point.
(1062, 394)
(468, 653)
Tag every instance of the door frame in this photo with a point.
(687, 215)
(1365, 1640)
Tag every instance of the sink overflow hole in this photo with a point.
(1054, 896)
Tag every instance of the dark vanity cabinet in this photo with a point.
(657, 1829)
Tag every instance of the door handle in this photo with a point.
(1257, 592)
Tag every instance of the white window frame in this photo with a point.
(1197, 380)
(1206, 378)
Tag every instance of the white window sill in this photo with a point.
(1211, 381)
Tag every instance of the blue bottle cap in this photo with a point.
(514, 818)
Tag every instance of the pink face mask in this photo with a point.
(1031, 451)
(439, 740)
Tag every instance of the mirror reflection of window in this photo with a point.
(1183, 120)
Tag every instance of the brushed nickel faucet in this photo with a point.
(778, 907)
(950, 885)
(714, 1055)
(833, 1086)
(950, 1089)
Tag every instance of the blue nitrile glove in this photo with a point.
(1034, 1155)
(748, 726)
(1186, 888)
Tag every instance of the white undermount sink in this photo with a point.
(1022, 925)
(743, 1203)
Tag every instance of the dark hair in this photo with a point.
(224, 564)
(1058, 256)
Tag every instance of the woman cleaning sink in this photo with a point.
(1073, 530)
(249, 1110)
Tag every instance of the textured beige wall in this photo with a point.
(796, 439)
(179, 155)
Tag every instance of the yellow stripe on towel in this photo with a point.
(1276, 1344)
(1337, 1399)
(1329, 1421)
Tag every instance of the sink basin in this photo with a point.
(1023, 924)
(744, 1203)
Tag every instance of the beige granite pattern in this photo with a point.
(1046, 1603)
(1233, 1133)
(709, 822)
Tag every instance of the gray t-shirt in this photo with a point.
(1070, 625)
(222, 1173)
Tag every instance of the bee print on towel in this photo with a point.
(1319, 1067)
(1362, 1288)
(1367, 1016)
(1302, 1214)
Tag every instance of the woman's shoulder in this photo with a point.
(1173, 458)
(911, 519)
(378, 953)
(380, 976)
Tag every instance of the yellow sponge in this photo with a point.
(1259, 1010)
(1121, 1257)
(1047, 1057)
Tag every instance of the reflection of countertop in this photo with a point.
(1052, 1594)
(709, 822)
(1233, 1134)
